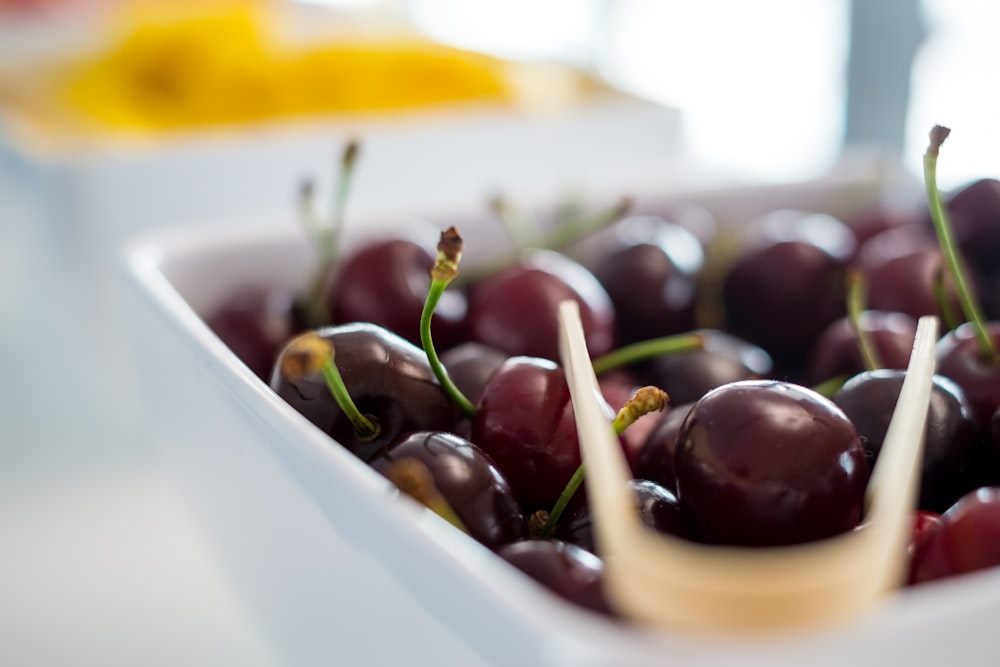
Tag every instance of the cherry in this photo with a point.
(880, 217)
(924, 524)
(470, 365)
(525, 423)
(837, 352)
(655, 459)
(619, 388)
(515, 310)
(960, 358)
(951, 436)
(974, 212)
(723, 358)
(968, 353)
(657, 506)
(967, 539)
(769, 463)
(569, 571)
(468, 480)
(904, 269)
(255, 323)
(650, 270)
(385, 282)
(788, 283)
(388, 378)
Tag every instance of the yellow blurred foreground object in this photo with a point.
(185, 69)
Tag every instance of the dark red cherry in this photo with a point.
(386, 281)
(470, 365)
(256, 322)
(902, 268)
(769, 463)
(387, 377)
(974, 212)
(950, 443)
(967, 539)
(515, 310)
(657, 506)
(883, 216)
(924, 524)
(960, 359)
(837, 351)
(467, 479)
(655, 460)
(650, 267)
(618, 388)
(789, 282)
(723, 358)
(525, 423)
(569, 571)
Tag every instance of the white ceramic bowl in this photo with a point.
(338, 569)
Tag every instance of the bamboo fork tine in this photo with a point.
(669, 581)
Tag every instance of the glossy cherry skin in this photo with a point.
(470, 365)
(788, 284)
(525, 423)
(650, 269)
(386, 282)
(655, 460)
(657, 506)
(951, 437)
(569, 571)
(516, 310)
(387, 377)
(967, 539)
(974, 214)
(618, 388)
(901, 268)
(256, 322)
(837, 351)
(924, 525)
(468, 480)
(723, 358)
(769, 463)
(959, 359)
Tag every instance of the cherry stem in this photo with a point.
(951, 319)
(855, 309)
(311, 353)
(326, 240)
(942, 227)
(412, 477)
(647, 349)
(445, 269)
(646, 400)
(522, 229)
(831, 386)
(567, 232)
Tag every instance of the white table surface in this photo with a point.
(101, 562)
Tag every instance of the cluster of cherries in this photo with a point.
(750, 374)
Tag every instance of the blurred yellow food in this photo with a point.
(222, 67)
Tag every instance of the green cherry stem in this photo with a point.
(942, 227)
(646, 349)
(950, 318)
(567, 232)
(831, 386)
(855, 307)
(326, 239)
(445, 269)
(311, 353)
(646, 400)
